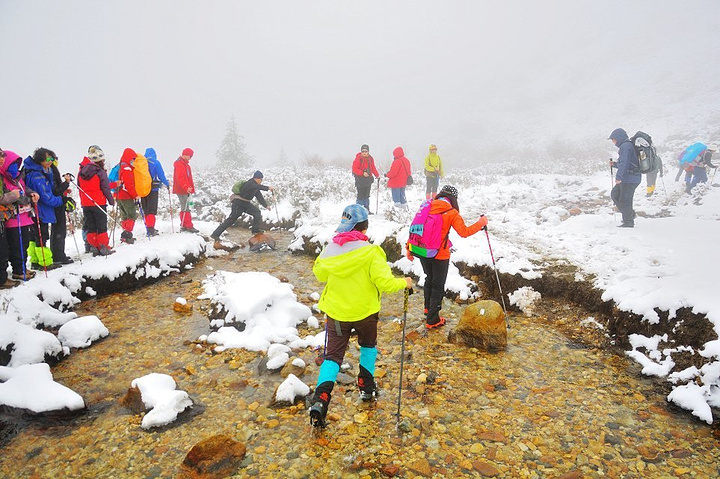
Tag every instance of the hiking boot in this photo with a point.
(368, 388)
(65, 260)
(95, 251)
(190, 229)
(9, 283)
(37, 267)
(129, 240)
(319, 408)
(152, 231)
(318, 411)
(441, 322)
(626, 225)
(29, 274)
(104, 250)
(88, 248)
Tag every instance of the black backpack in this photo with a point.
(645, 151)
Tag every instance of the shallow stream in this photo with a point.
(545, 407)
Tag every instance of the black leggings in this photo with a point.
(436, 271)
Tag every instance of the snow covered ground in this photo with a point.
(667, 262)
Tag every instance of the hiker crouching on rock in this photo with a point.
(241, 203)
(356, 273)
(436, 268)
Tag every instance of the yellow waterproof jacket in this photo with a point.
(433, 165)
(356, 274)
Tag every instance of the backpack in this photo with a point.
(426, 232)
(691, 153)
(143, 180)
(236, 187)
(645, 151)
(114, 176)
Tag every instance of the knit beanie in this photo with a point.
(188, 152)
(365, 147)
(258, 174)
(95, 153)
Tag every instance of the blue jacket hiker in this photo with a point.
(39, 178)
(356, 274)
(627, 178)
(149, 203)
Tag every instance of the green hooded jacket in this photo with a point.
(356, 274)
(433, 165)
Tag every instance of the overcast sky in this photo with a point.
(323, 77)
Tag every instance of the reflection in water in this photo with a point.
(542, 408)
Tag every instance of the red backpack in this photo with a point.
(426, 237)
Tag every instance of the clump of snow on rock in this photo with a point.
(525, 298)
(290, 388)
(82, 332)
(159, 394)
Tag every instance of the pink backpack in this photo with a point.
(426, 237)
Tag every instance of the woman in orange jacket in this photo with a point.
(436, 268)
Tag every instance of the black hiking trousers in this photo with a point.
(58, 234)
(622, 195)
(238, 208)
(436, 271)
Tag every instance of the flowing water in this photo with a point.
(545, 407)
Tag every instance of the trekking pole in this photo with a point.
(612, 185)
(22, 250)
(172, 221)
(497, 276)
(91, 199)
(142, 215)
(72, 232)
(713, 176)
(42, 243)
(276, 210)
(115, 213)
(377, 197)
(402, 355)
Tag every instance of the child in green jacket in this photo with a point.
(356, 273)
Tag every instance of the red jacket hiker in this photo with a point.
(400, 170)
(96, 188)
(361, 165)
(182, 178)
(127, 176)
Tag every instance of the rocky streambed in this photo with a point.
(551, 405)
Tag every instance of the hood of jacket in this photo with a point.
(398, 152)
(30, 165)
(88, 169)
(10, 158)
(619, 135)
(128, 155)
(438, 207)
(346, 260)
(150, 154)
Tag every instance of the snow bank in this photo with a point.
(31, 386)
(159, 394)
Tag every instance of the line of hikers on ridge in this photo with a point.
(36, 204)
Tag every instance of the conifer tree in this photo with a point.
(232, 152)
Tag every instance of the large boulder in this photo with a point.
(216, 457)
(481, 326)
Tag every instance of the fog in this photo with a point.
(484, 80)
